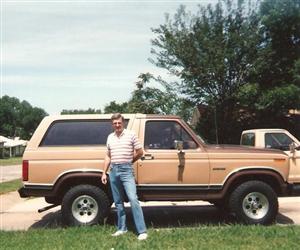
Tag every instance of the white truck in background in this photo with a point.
(275, 139)
(269, 138)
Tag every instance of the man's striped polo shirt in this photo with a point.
(121, 148)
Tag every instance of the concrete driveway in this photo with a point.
(21, 214)
(8, 173)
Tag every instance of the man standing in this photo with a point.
(123, 149)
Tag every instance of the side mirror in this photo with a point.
(178, 145)
(292, 148)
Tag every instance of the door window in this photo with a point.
(163, 134)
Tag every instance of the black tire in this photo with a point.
(84, 205)
(254, 202)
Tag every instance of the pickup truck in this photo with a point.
(63, 162)
(269, 138)
(276, 138)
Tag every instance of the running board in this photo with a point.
(47, 208)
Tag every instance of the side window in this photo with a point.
(78, 132)
(248, 139)
(162, 134)
(277, 140)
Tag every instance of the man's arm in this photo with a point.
(106, 166)
(137, 154)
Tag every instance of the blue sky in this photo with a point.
(78, 54)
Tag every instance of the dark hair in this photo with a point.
(117, 116)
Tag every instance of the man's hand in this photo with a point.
(106, 166)
(104, 178)
(137, 154)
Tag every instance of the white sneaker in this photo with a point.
(118, 233)
(142, 236)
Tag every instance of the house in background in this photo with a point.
(11, 147)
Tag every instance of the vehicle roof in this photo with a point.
(264, 130)
(107, 116)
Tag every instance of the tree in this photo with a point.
(276, 89)
(114, 107)
(219, 55)
(296, 73)
(281, 32)
(143, 99)
(213, 54)
(18, 119)
(9, 107)
(151, 100)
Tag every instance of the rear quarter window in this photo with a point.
(79, 132)
(248, 139)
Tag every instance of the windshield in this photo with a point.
(204, 141)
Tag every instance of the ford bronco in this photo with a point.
(63, 162)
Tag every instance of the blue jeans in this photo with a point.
(122, 179)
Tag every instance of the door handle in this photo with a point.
(147, 157)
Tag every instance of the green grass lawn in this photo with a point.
(10, 186)
(202, 237)
(11, 161)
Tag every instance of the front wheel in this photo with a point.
(84, 205)
(254, 202)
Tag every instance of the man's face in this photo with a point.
(118, 125)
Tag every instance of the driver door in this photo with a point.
(163, 165)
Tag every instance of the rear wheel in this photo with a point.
(254, 202)
(84, 205)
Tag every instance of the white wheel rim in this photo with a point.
(255, 205)
(84, 209)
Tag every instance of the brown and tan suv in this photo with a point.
(63, 162)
